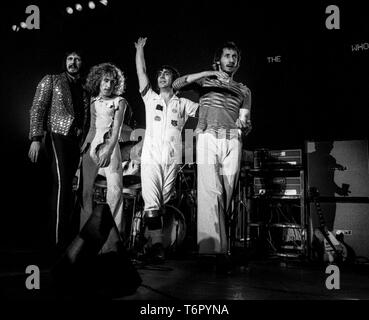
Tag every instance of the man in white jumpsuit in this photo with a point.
(166, 115)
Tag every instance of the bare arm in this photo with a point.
(193, 77)
(244, 117)
(107, 150)
(86, 116)
(143, 79)
(244, 122)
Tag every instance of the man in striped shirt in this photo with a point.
(224, 113)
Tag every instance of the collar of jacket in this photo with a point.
(159, 97)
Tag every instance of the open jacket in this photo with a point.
(52, 108)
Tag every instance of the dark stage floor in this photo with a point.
(184, 278)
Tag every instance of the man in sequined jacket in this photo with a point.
(59, 113)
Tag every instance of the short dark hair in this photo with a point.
(173, 71)
(219, 51)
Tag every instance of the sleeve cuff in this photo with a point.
(144, 91)
(36, 138)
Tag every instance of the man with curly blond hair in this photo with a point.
(100, 151)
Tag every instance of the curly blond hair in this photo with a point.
(96, 74)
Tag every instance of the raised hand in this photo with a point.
(140, 43)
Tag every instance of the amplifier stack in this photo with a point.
(277, 208)
(268, 159)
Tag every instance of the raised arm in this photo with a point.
(118, 120)
(143, 79)
(193, 77)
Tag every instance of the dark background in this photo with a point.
(319, 90)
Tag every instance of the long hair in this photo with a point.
(226, 45)
(96, 74)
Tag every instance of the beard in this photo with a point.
(73, 71)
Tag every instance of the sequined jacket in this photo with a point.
(52, 107)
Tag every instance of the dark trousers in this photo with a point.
(64, 153)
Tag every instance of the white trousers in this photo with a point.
(158, 181)
(157, 177)
(218, 164)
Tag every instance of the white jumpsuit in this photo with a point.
(102, 119)
(162, 147)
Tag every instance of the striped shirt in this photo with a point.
(220, 102)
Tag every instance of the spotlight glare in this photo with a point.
(91, 5)
(69, 10)
(104, 2)
(78, 7)
(23, 25)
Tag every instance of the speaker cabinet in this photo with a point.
(278, 186)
